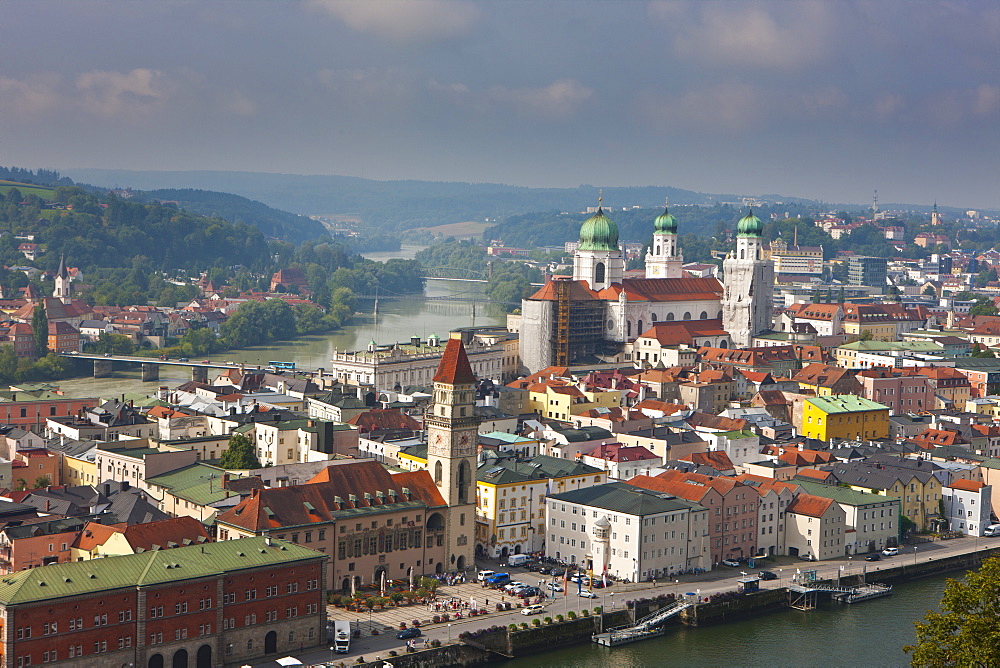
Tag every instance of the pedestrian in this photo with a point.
(487, 602)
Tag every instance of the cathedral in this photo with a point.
(594, 314)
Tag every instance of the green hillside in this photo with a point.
(46, 194)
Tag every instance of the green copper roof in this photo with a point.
(599, 233)
(845, 403)
(665, 223)
(749, 226)
(147, 569)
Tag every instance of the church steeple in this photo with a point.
(749, 281)
(452, 443)
(63, 290)
(664, 259)
(598, 260)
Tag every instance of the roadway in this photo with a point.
(723, 579)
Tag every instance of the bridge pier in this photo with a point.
(150, 371)
(199, 374)
(102, 368)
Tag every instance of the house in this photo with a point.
(902, 390)
(919, 492)
(97, 541)
(208, 602)
(968, 506)
(622, 462)
(815, 527)
(627, 531)
(870, 520)
(824, 380)
(843, 416)
(358, 514)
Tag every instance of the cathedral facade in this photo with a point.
(597, 311)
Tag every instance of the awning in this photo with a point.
(289, 661)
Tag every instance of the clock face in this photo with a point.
(464, 440)
(438, 438)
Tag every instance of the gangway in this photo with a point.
(647, 627)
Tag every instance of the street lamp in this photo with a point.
(332, 650)
(612, 600)
(370, 626)
(449, 633)
(914, 555)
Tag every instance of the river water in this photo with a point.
(864, 634)
(397, 321)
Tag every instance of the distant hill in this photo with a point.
(397, 205)
(236, 209)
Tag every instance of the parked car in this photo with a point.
(535, 567)
(807, 557)
(515, 584)
(533, 610)
(544, 570)
(485, 574)
(409, 633)
(586, 593)
(557, 572)
(732, 563)
(890, 552)
(873, 556)
(768, 575)
(528, 592)
(554, 586)
(599, 584)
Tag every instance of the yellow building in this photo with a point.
(843, 416)
(919, 492)
(561, 402)
(510, 501)
(78, 468)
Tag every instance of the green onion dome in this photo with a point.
(750, 226)
(665, 223)
(599, 233)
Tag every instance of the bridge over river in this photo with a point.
(150, 366)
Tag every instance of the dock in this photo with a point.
(647, 627)
(805, 596)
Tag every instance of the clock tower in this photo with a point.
(452, 444)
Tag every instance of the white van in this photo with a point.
(518, 560)
(485, 574)
(992, 530)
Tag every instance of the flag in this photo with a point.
(566, 582)
(604, 576)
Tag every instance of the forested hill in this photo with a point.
(98, 231)
(237, 209)
(396, 205)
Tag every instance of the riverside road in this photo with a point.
(723, 579)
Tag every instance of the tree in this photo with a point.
(239, 454)
(967, 630)
(929, 291)
(983, 306)
(40, 329)
(42, 481)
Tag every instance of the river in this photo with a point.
(865, 634)
(397, 321)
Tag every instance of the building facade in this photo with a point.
(749, 281)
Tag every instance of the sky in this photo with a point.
(824, 100)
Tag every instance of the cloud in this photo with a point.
(110, 94)
(782, 36)
(735, 107)
(559, 100)
(987, 100)
(28, 97)
(411, 21)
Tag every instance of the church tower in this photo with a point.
(664, 259)
(452, 442)
(598, 260)
(749, 280)
(63, 290)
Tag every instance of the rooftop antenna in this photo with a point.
(875, 202)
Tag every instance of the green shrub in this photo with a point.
(598, 610)
(585, 612)
(548, 620)
(537, 622)
(512, 627)
(571, 614)
(524, 625)
(559, 618)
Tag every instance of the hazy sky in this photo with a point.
(826, 100)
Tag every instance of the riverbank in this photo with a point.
(930, 561)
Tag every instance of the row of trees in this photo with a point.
(507, 281)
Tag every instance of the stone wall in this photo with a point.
(447, 655)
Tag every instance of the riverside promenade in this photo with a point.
(723, 579)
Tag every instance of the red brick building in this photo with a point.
(30, 410)
(200, 606)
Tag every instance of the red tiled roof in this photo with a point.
(967, 485)
(717, 459)
(389, 418)
(807, 504)
(683, 331)
(578, 291)
(672, 289)
(815, 473)
(454, 368)
(171, 532)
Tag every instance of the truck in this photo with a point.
(992, 530)
(341, 637)
(515, 560)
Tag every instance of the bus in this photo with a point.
(281, 365)
(342, 637)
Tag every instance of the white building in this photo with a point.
(870, 520)
(626, 531)
(749, 283)
(967, 505)
(815, 528)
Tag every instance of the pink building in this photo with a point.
(898, 389)
(732, 509)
